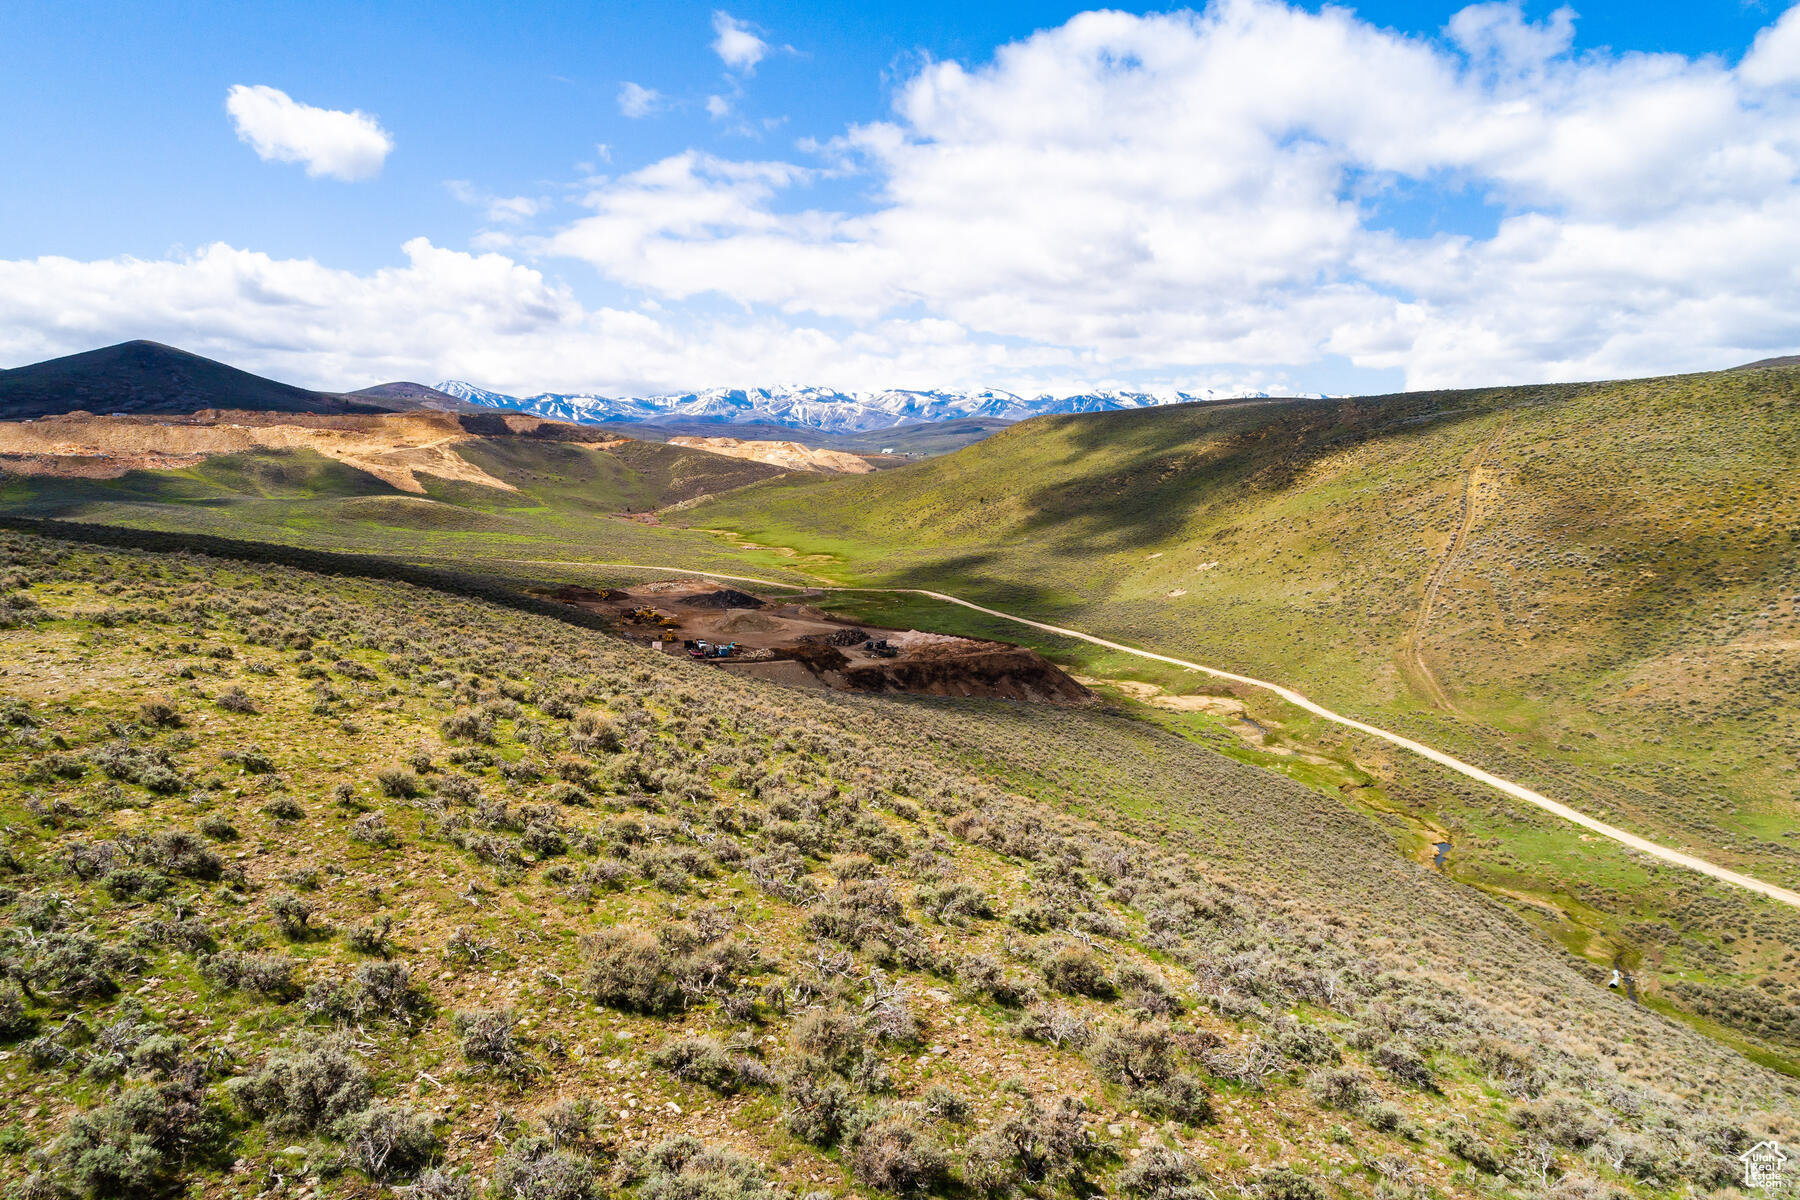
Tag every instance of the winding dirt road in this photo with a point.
(1506, 786)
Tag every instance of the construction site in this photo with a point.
(797, 643)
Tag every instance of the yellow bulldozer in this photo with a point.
(650, 616)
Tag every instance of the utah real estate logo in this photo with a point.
(1764, 1164)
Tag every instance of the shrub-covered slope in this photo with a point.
(1588, 586)
(316, 885)
(569, 498)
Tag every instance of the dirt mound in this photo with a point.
(1006, 672)
(575, 593)
(800, 644)
(723, 598)
(818, 657)
(840, 637)
(748, 622)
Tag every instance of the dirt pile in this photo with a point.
(1008, 672)
(801, 645)
(851, 636)
(723, 598)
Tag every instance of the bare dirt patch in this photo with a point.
(1149, 693)
(791, 455)
(394, 449)
(802, 645)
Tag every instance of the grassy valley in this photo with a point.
(333, 885)
(1587, 588)
(1611, 569)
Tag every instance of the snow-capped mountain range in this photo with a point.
(824, 410)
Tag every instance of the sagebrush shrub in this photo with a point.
(305, 1089)
(535, 1168)
(894, 1155)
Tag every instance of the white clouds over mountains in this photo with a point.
(339, 145)
(1199, 188)
(1124, 197)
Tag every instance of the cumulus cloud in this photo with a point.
(1172, 191)
(1168, 199)
(636, 100)
(1775, 58)
(443, 312)
(338, 145)
(736, 43)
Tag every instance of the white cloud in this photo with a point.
(1162, 199)
(718, 107)
(1167, 192)
(1498, 36)
(340, 145)
(483, 317)
(1774, 60)
(501, 210)
(735, 43)
(636, 100)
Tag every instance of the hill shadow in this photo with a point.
(1155, 469)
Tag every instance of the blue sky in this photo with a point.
(896, 195)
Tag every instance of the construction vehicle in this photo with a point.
(880, 649)
(650, 616)
(704, 649)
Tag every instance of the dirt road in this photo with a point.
(1506, 786)
(1416, 639)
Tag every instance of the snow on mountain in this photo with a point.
(822, 409)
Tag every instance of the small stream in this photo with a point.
(1621, 974)
(1442, 852)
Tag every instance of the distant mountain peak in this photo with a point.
(143, 376)
(820, 409)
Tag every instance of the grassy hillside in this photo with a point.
(1611, 618)
(1611, 571)
(1619, 605)
(571, 503)
(337, 886)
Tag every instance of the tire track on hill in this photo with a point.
(1505, 786)
(1416, 639)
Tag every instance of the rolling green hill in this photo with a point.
(1611, 572)
(347, 886)
(570, 497)
(1610, 568)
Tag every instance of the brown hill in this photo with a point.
(404, 395)
(789, 455)
(393, 447)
